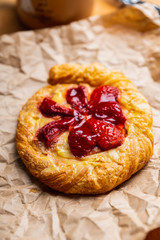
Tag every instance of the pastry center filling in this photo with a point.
(95, 121)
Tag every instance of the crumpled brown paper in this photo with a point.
(30, 210)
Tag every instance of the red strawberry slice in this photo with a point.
(77, 97)
(51, 131)
(50, 108)
(94, 132)
(108, 136)
(103, 94)
(81, 140)
(109, 111)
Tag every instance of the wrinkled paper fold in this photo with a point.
(128, 41)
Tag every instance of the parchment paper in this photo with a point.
(128, 41)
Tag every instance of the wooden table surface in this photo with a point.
(9, 21)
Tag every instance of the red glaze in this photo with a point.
(51, 131)
(93, 133)
(110, 112)
(81, 140)
(77, 97)
(104, 128)
(108, 136)
(103, 94)
(50, 108)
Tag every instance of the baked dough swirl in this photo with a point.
(96, 173)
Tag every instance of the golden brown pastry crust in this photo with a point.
(97, 173)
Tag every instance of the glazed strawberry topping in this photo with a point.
(50, 108)
(107, 135)
(51, 131)
(110, 112)
(103, 127)
(81, 140)
(103, 94)
(77, 97)
(94, 133)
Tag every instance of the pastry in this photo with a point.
(86, 132)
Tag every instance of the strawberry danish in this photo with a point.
(86, 132)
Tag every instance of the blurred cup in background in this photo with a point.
(46, 13)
